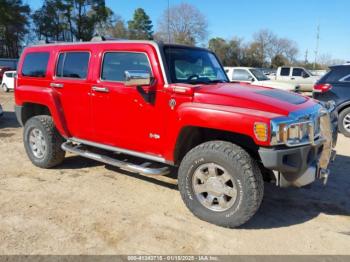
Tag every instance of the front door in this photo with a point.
(121, 115)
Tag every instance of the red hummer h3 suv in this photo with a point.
(171, 106)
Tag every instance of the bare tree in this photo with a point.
(118, 30)
(268, 46)
(183, 24)
(264, 42)
(287, 48)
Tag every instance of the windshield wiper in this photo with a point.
(195, 82)
(218, 81)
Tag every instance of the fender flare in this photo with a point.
(47, 97)
(342, 106)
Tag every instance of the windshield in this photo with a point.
(308, 72)
(259, 74)
(193, 66)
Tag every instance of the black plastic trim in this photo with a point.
(292, 162)
(18, 111)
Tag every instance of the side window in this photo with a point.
(337, 74)
(297, 72)
(285, 71)
(35, 64)
(116, 63)
(346, 79)
(73, 65)
(241, 75)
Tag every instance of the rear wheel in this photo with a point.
(5, 88)
(344, 122)
(220, 183)
(43, 142)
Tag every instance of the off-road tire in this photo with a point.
(5, 88)
(242, 168)
(341, 126)
(54, 154)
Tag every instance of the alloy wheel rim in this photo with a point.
(214, 187)
(346, 122)
(37, 143)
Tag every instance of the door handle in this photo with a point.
(293, 78)
(100, 89)
(57, 85)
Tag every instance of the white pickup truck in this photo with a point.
(256, 77)
(298, 76)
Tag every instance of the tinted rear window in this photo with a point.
(336, 74)
(73, 65)
(35, 64)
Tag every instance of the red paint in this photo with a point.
(322, 87)
(124, 119)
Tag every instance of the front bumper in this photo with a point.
(293, 166)
(300, 166)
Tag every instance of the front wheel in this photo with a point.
(43, 142)
(220, 183)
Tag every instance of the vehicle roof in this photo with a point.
(238, 67)
(106, 42)
(343, 65)
(10, 71)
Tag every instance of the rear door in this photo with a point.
(72, 82)
(285, 74)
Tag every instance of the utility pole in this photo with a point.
(306, 56)
(317, 44)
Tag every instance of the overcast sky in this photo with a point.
(296, 19)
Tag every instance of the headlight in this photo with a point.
(293, 134)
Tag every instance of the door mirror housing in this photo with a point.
(137, 78)
(305, 75)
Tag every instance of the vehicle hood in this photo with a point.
(251, 97)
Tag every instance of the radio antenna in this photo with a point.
(169, 21)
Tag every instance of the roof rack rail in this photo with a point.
(105, 38)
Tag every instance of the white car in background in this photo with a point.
(255, 76)
(8, 81)
(297, 76)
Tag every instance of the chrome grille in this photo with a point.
(299, 128)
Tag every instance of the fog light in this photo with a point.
(261, 131)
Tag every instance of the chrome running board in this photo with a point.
(140, 169)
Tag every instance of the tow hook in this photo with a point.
(324, 174)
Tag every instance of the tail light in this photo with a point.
(321, 88)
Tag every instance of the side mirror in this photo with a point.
(251, 79)
(306, 75)
(137, 78)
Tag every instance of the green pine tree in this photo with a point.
(141, 26)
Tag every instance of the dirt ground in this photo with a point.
(84, 207)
